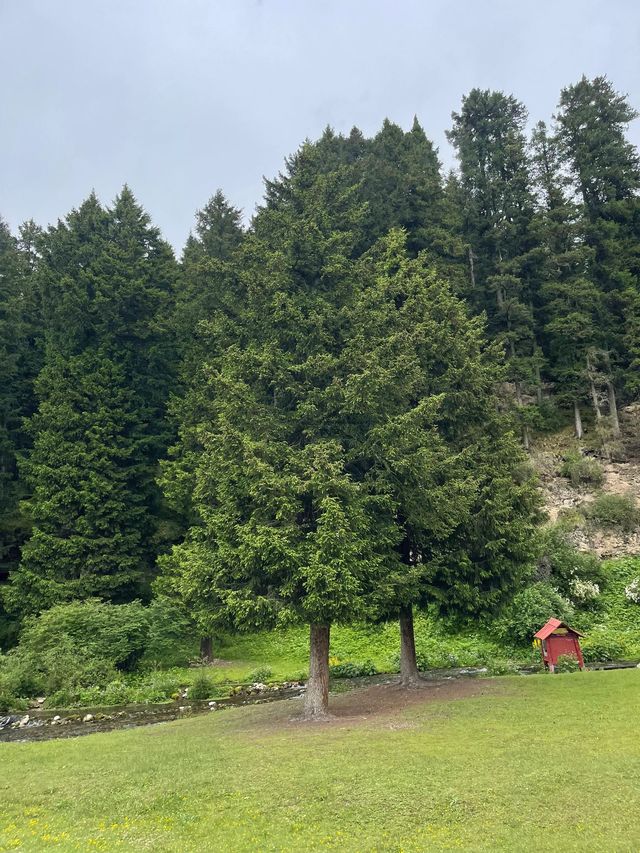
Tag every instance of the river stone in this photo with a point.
(87, 718)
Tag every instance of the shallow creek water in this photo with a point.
(40, 724)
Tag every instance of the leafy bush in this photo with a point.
(202, 687)
(614, 511)
(602, 645)
(116, 633)
(74, 647)
(581, 469)
(529, 611)
(632, 591)
(261, 675)
(9, 702)
(500, 666)
(170, 636)
(567, 663)
(352, 670)
(573, 573)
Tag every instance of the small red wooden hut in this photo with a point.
(557, 638)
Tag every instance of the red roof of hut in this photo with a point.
(553, 625)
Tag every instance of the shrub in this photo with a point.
(352, 670)
(576, 575)
(529, 611)
(501, 667)
(116, 633)
(73, 647)
(581, 469)
(8, 702)
(583, 592)
(260, 675)
(567, 663)
(632, 591)
(202, 687)
(614, 511)
(602, 645)
(169, 640)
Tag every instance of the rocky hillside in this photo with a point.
(575, 475)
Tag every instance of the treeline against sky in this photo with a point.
(211, 424)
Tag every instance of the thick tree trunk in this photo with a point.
(316, 699)
(409, 674)
(613, 410)
(577, 420)
(206, 649)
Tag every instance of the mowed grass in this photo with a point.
(532, 763)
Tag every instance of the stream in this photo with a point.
(39, 724)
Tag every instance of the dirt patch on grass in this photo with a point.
(381, 704)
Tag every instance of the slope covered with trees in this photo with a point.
(323, 416)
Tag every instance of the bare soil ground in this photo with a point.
(381, 704)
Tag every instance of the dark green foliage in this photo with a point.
(498, 204)
(349, 669)
(106, 282)
(605, 168)
(201, 688)
(74, 645)
(171, 638)
(530, 610)
(20, 356)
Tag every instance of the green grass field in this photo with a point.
(527, 763)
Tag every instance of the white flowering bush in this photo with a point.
(632, 591)
(583, 591)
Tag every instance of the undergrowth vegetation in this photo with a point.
(91, 654)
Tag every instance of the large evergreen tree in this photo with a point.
(422, 429)
(592, 120)
(570, 298)
(282, 530)
(20, 353)
(497, 200)
(106, 281)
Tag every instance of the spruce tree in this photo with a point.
(592, 120)
(20, 353)
(206, 290)
(488, 135)
(106, 282)
(571, 301)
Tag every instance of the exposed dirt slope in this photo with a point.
(621, 476)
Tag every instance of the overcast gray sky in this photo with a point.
(179, 97)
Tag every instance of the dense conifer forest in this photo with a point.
(324, 415)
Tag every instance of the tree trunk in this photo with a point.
(594, 393)
(206, 649)
(613, 409)
(577, 419)
(316, 699)
(409, 674)
(471, 269)
(525, 429)
(538, 385)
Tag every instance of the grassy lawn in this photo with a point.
(524, 764)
